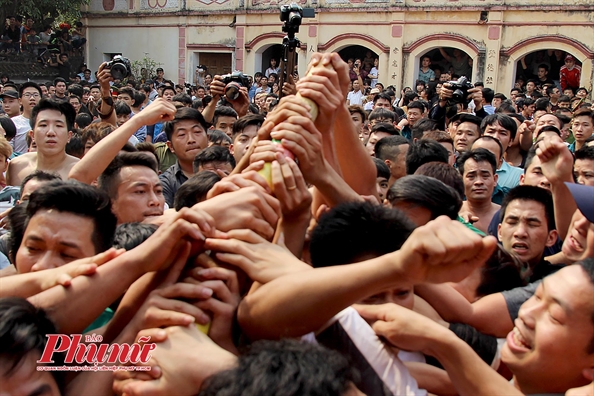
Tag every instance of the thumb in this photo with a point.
(143, 388)
(489, 246)
(381, 328)
(373, 312)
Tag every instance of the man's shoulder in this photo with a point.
(23, 159)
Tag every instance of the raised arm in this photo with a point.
(445, 54)
(72, 314)
(489, 315)
(296, 304)
(406, 329)
(98, 158)
(557, 166)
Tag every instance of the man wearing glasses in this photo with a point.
(29, 96)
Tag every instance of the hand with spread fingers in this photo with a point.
(261, 260)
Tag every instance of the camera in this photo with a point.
(292, 15)
(460, 89)
(120, 67)
(201, 68)
(233, 82)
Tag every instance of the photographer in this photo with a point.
(218, 88)
(446, 94)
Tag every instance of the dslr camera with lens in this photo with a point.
(460, 89)
(120, 67)
(234, 81)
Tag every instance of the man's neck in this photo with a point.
(533, 389)
(27, 114)
(554, 103)
(482, 206)
(50, 162)
(60, 95)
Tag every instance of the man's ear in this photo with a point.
(170, 146)
(496, 177)
(231, 149)
(522, 177)
(552, 238)
(499, 231)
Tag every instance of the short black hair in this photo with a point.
(110, 178)
(479, 155)
(75, 146)
(23, 330)
(541, 104)
(427, 192)
(416, 104)
(549, 128)
(491, 138)
(382, 170)
(531, 193)
(223, 111)
(585, 153)
(184, 113)
(121, 108)
(244, 122)
(8, 125)
(505, 108)
(139, 98)
(286, 367)
(194, 190)
(213, 154)
(41, 176)
(183, 98)
(488, 94)
(80, 199)
(382, 95)
(389, 147)
(424, 151)
(83, 120)
(444, 173)
(64, 108)
(17, 219)
(29, 84)
(423, 125)
(504, 120)
(353, 231)
(129, 235)
(76, 89)
(385, 127)
(380, 112)
(58, 80)
(217, 137)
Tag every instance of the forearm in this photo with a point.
(209, 110)
(23, 285)
(356, 165)
(100, 156)
(564, 206)
(334, 189)
(489, 315)
(434, 380)
(67, 307)
(294, 233)
(469, 374)
(302, 302)
(526, 140)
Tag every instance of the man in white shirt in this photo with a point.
(355, 97)
(30, 94)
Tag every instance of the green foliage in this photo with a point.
(146, 63)
(42, 10)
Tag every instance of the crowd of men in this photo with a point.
(420, 247)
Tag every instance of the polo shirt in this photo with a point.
(171, 180)
(355, 98)
(509, 176)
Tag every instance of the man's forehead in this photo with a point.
(138, 174)
(571, 287)
(50, 114)
(525, 208)
(471, 165)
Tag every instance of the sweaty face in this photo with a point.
(413, 115)
(51, 132)
(25, 379)
(60, 88)
(382, 103)
(139, 196)
(382, 187)
(500, 133)
(242, 141)
(579, 242)
(530, 87)
(54, 238)
(553, 325)
(96, 93)
(479, 180)
(582, 128)
(523, 230)
(30, 98)
(188, 139)
(11, 106)
(547, 119)
(466, 133)
(225, 124)
(583, 170)
(533, 175)
(168, 94)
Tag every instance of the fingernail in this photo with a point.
(203, 272)
(206, 292)
(273, 134)
(204, 319)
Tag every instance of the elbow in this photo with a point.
(253, 326)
